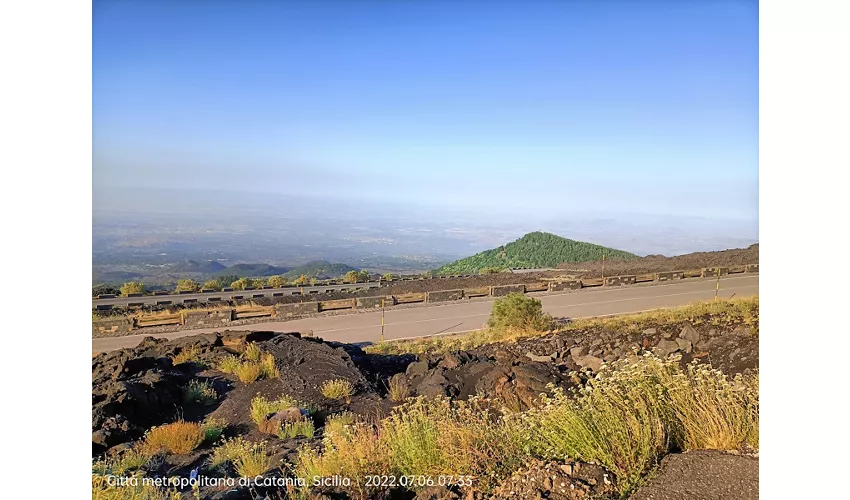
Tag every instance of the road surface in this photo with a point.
(458, 317)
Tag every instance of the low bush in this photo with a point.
(337, 389)
(179, 437)
(199, 392)
(515, 310)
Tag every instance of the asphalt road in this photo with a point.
(457, 317)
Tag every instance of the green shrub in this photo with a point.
(213, 429)
(516, 311)
(200, 392)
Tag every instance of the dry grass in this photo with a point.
(248, 372)
(337, 389)
(295, 429)
(626, 419)
(632, 414)
(228, 364)
(398, 389)
(187, 355)
(723, 314)
(101, 490)
(252, 352)
(248, 459)
(253, 365)
(179, 437)
(339, 422)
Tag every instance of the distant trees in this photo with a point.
(226, 281)
(276, 281)
(187, 285)
(132, 287)
(211, 285)
(241, 284)
(350, 277)
(356, 276)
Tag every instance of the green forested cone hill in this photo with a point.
(534, 250)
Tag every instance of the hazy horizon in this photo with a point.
(421, 130)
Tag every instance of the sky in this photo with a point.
(549, 107)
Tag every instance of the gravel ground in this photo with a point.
(703, 475)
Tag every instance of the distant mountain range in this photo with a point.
(251, 270)
(534, 250)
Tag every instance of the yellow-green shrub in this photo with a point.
(248, 459)
(337, 389)
(261, 408)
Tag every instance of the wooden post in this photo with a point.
(382, 320)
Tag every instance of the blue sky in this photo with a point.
(648, 107)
